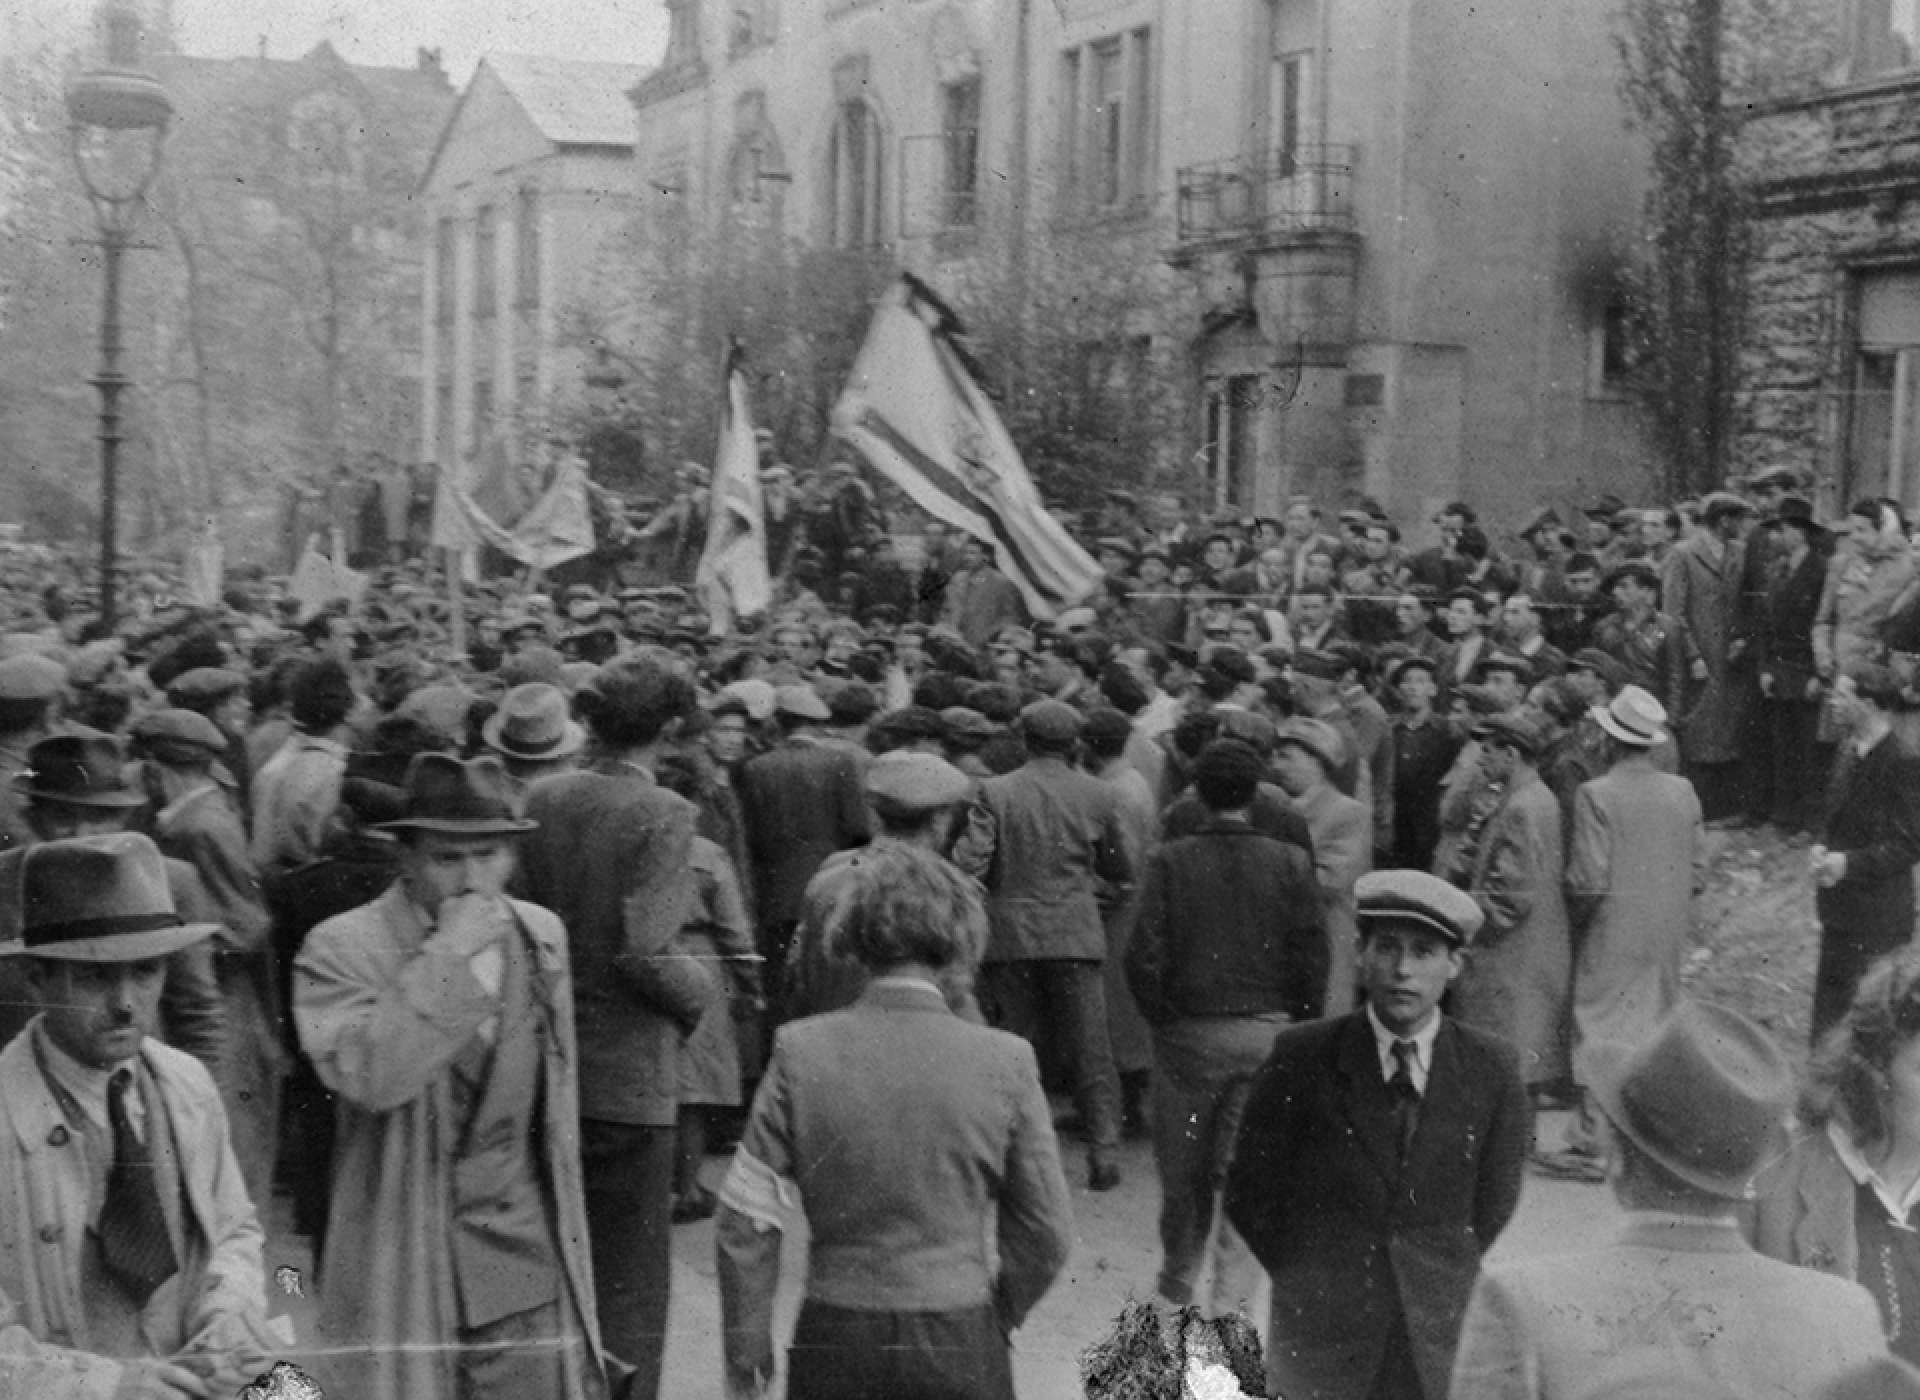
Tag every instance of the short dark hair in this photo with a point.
(321, 695)
(1227, 774)
(630, 702)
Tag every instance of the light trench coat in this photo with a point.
(220, 1290)
(383, 1018)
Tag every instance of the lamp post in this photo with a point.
(118, 117)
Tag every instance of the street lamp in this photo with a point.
(118, 116)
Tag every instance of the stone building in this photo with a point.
(1830, 362)
(1372, 241)
(533, 172)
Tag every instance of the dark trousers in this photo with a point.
(847, 1354)
(1065, 998)
(1799, 763)
(1845, 956)
(520, 1357)
(629, 1185)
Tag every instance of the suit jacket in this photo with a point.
(979, 602)
(44, 1186)
(1041, 839)
(1355, 1244)
(1273, 812)
(1804, 1209)
(803, 801)
(1229, 925)
(1544, 1329)
(613, 857)
(1873, 816)
(903, 1131)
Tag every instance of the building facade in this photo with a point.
(1830, 363)
(1371, 240)
(532, 175)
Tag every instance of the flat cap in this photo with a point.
(205, 684)
(1316, 736)
(1520, 728)
(800, 701)
(915, 782)
(964, 722)
(1721, 503)
(755, 696)
(1415, 897)
(1050, 722)
(1074, 618)
(180, 736)
(30, 677)
(1321, 665)
(1545, 518)
(1018, 639)
(1502, 660)
(1107, 725)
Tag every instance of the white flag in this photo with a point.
(732, 576)
(914, 410)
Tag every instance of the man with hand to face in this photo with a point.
(441, 1015)
(1379, 1157)
(129, 1234)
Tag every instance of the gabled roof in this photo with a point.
(573, 102)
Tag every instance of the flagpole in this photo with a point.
(456, 598)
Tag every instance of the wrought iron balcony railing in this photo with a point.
(1308, 189)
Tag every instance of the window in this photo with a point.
(854, 188)
(526, 249)
(1106, 128)
(960, 147)
(1232, 423)
(683, 34)
(485, 245)
(1887, 36)
(750, 25)
(1883, 447)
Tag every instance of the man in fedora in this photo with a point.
(533, 733)
(129, 1233)
(31, 687)
(1635, 858)
(441, 1015)
(1695, 1110)
(75, 785)
(1379, 1157)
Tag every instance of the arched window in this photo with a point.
(855, 184)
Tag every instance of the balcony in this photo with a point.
(1281, 198)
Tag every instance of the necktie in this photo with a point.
(1406, 1097)
(134, 1242)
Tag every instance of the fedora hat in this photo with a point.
(100, 899)
(1633, 717)
(81, 767)
(1706, 1096)
(455, 798)
(532, 723)
(1798, 510)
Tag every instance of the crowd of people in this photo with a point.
(1320, 860)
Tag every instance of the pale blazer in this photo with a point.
(44, 1184)
(1690, 1292)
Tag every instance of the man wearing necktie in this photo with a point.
(129, 1232)
(1379, 1157)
